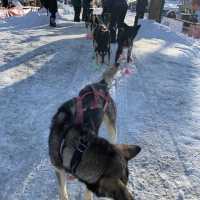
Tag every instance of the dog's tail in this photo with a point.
(109, 74)
(56, 136)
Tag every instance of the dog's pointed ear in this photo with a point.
(128, 151)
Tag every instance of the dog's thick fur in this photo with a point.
(126, 35)
(103, 167)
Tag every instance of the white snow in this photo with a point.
(158, 106)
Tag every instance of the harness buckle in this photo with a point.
(82, 146)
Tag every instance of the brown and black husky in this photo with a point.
(75, 148)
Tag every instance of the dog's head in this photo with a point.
(113, 182)
(127, 33)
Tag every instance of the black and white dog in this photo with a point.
(126, 35)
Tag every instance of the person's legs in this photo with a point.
(53, 19)
(77, 11)
(122, 14)
(84, 14)
(53, 8)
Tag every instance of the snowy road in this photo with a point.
(158, 107)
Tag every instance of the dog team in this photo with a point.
(74, 144)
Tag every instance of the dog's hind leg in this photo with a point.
(88, 195)
(110, 124)
(62, 184)
(129, 54)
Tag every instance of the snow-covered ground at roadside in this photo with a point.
(158, 106)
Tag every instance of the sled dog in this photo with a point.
(126, 35)
(101, 43)
(76, 148)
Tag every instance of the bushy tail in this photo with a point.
(109, 74)
(56, 136)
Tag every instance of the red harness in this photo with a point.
(79, 105)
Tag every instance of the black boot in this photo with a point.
(52, 21)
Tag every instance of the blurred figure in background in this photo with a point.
(77, 9)
(140, 10)
(86, 9)
(5, 3)
(52, 7)
(117, 10)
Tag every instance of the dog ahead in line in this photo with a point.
(101, 37)
(75, 148)
(101, 43)
(126, 35)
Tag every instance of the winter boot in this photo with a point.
(52, 21)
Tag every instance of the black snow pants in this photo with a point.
(118, 14)
(77, 12)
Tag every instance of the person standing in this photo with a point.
(77, 9)
(140, 10)
(117, 10)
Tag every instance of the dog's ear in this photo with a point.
(128, 151)
(114, 188)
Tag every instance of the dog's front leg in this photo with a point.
(88, 195)
(118, 53)
(129, 54)
(111, 127)
(62, 184)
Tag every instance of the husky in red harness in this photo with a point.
(75, 148)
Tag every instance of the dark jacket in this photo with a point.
(86, 3)
(109, 5)
(50, 5)
(76, 3)
(141, 5)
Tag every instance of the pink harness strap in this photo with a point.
(79, 105)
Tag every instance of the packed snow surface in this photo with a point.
(158, 106)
